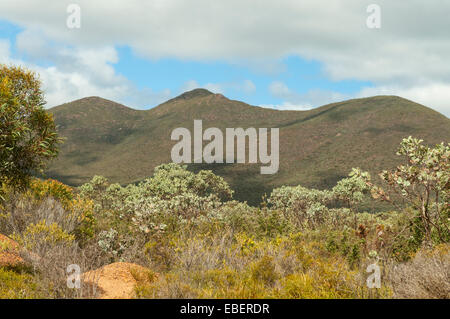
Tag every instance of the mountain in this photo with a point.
(317, 147)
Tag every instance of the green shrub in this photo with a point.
(15, 285)
(42, 235)
(264, 270)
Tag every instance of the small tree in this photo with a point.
(172, 179)
(424, 182)
(351, 190)
(28, 137)
(305, 206)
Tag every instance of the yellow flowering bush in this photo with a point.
(43, 233)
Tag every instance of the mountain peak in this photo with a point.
(104, 138)
(93, 99)
(199, 92)
(91, 104)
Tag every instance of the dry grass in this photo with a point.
(426, 276)
(46, 252)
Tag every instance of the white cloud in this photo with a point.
(5, 47)
(246, 86)
(192, 84)
(411, 41)
(312, 98)
(86, 72)
(279, 89)
(287, 106)
(189, 85)
(436, 95)
(78, 72)
(409, 53)
(214, 87)
(34, 44)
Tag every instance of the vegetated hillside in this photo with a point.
(317, 147)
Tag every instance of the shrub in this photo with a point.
(425, 276)
(424, 184)
(351, 190)
(15, 285)
(51, 201)
(42, 237)
(42, 189)
(264, 270)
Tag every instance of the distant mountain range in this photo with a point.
(317, 147)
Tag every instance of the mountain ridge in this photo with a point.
(200, 93)
(317, 147)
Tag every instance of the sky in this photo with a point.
(284, 54)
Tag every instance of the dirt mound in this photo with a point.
(117, 280)
(9, 252)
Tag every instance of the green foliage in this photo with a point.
(28, 137)
(55, 189)
(351, 190)
(201, 244)
(95, 190)
(43, 233)
(346, 244)
(291, 266)
(15, 285)
(303, 205)
(108, 138)
(172, 190)
(264, 270)
(109, 242)
(48, 200)
(424, 182)
(272, 223)
(170, 180)
(297, 198)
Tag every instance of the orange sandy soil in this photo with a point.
(117, 280)
(9, 252)
(113, 281)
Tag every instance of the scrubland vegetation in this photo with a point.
(197, 242)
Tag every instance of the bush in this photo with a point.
(423, 182)
(201, 244)
(51, 201)
(425, 276)
(15, 285)
(42, 237)
(264, 270)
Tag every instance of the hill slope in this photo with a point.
(317, 147)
